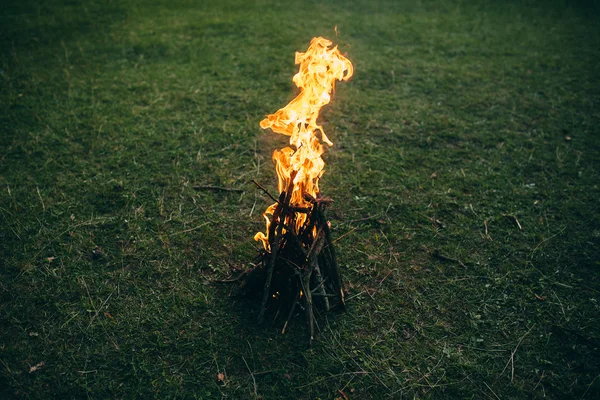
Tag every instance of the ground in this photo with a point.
(464, 170)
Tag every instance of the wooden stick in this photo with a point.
(275, 217)
(223, 189)
(304, 210)
(311, 266)
(275, 246)
(316, 246)
(334, 265)
(309, 306)
(321, 287)
(265, 190)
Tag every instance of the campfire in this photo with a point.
(297, 266)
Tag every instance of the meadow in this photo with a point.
(465, 173)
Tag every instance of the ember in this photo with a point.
(298, 264)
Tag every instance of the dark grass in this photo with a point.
(461, 115)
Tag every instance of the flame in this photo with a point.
(320, 67)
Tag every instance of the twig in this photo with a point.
(275, 245)
(437, 254)
(514, 219)
(488, 386)
(265, 190)
(239, 278)
(511, 360)
(334, 265)
(316, 245)
(435, 221)
(340, 238)
(311, 266)
(561, 305)
(190, 229)
(40, 196)
(537, 384)
(487, 234)
(590, 385)
(384, 278)
(545, 240)
(253, 205)
(223, 189)
(252, 375)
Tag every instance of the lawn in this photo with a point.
(465, 172)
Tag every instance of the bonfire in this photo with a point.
(297, 266)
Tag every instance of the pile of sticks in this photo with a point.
(301, 267)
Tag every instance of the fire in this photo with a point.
(320, 66)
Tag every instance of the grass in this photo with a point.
(465, 173)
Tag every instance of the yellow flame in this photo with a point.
(320, 66)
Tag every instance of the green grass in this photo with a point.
(462, 117)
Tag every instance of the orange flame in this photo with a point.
(320, 67)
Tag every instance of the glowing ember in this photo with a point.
(320, 67)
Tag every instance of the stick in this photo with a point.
(309, 307)
(514, 218)
(334, 265)
(190, 229)
(223, 189)
(275, 246)
(275, 217)
(511, 360)
(252, 375)
(304, 210)
(437, 254)
(347, 233)
(320, 285)
(487, 234)
(265, 190)
(311, 266)
(316, 246)
(42, 200)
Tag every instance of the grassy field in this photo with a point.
(465, 172)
